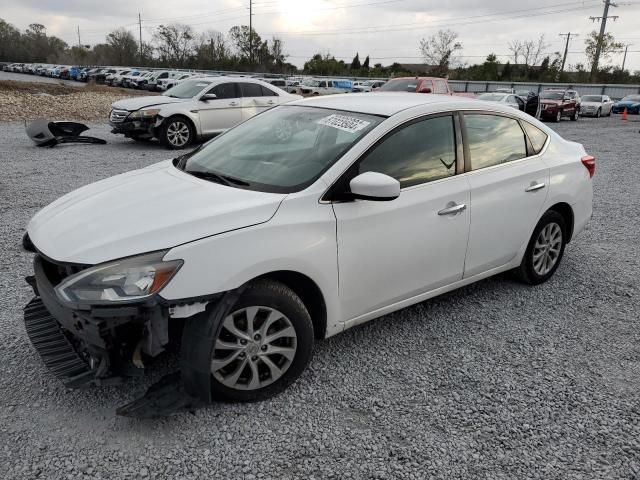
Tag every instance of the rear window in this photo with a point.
(536, 136)
(400, 85)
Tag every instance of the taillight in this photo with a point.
(590, 164)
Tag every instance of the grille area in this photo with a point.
(54, 347)
(118, 116)
(57, 272)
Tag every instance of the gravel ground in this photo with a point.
(496, 381)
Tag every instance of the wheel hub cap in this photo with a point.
(178, 134)
(255, 347)
(546, 250)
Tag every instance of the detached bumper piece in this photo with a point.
(57, 352)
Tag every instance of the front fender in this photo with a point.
(183, 109)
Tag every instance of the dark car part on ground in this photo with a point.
(49, 134)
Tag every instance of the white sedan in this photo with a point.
(257, 244)
(195, 108)
(596, 106)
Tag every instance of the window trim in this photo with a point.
(529, 145)
(336, 190)
(239, 89)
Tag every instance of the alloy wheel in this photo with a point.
(546, 250)
(558, 116)
(255, 347)
(178, 133)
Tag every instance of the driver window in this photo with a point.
(418, 153)
(224, 90)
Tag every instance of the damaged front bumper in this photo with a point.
(142, 128)
(109, 340)
(86, 345)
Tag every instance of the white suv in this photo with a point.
(251, 248)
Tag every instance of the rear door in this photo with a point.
(223, 112)
(255, 99)
(509, 185)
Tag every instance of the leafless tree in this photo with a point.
(174, 43)
(440, 50)
(533, 51)
(515, 47)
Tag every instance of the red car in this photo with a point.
(418, 85)
(555, 104)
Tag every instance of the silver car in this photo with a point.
(195, 108)
(596, 106)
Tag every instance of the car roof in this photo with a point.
(384, 103)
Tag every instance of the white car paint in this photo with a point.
(209, 117)
(367, 258)
(591, 108)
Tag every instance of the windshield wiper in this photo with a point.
(216, 177)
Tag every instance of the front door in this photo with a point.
(223, 112)
(389, 251)
(508, 190)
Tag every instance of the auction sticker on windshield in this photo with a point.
(344, 123)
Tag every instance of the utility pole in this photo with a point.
(624, 59)
(251, 32)
(566, 51)
(603, 27)
(79, 43)
(140, 30)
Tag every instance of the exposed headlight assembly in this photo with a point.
(125, 280)
(144, 114)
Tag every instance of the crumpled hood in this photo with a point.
(154, 208)
(137, 103)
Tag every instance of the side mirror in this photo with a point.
(425, 90)
(375, 186)
(208, 96)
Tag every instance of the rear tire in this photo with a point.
(545, 249)
(254, 373)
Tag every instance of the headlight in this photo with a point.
(145, 114)
(124, 280)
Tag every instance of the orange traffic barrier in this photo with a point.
(625, 114)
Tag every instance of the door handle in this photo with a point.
(453, 210)
(534, 186)
(271, 102)
(233, 104)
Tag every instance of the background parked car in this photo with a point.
(596, 105)
(509, 99)
(195, 108)
(418, 85)
(367, 86)
(558, 103)
(322, 86)
(630, 102)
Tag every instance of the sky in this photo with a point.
(387, 30)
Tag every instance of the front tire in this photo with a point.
(263, 345)
(575, 115)
(558, 116)
(598, 113)
(545, 249)
(176, 133)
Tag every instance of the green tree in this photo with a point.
(123, 47)
(609, 46)
(355, 63)
(365, 64)
(174, 44)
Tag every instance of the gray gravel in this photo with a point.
(497, 380)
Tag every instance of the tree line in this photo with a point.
(179, 46)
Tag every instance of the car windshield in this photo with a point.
(400, 86)
(492, 97)
(592, 98)
(631, 98)
(187, 89)
(552, 95)
(282, 150)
